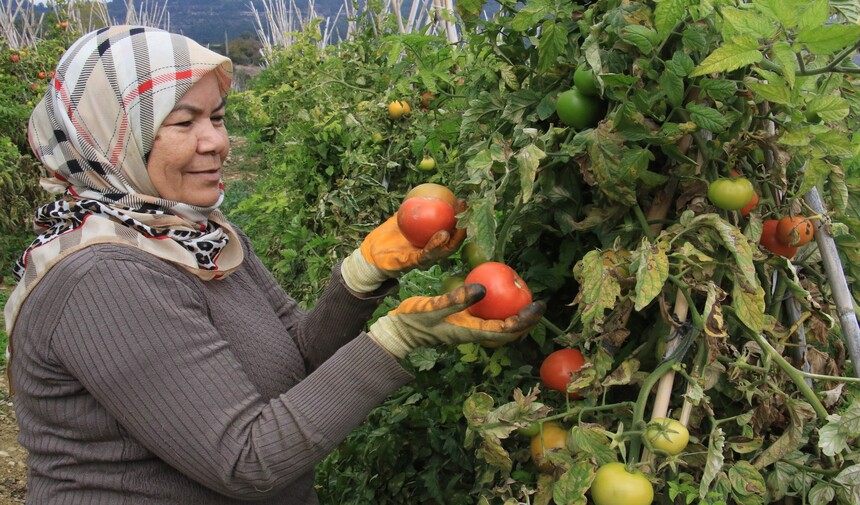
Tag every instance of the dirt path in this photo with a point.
(13, 470)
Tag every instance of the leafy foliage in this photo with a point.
(609, 224)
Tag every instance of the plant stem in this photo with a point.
(642, 401)
(643, 223)
(794, 374)
(553, 328)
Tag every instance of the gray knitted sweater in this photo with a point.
(138, 383)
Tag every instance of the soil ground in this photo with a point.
(13, 469)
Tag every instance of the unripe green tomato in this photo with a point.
(667, 435)
(473, 255)
(731, 193)
(577, 109)
(452, 282)
(427, 163)
(614, 485)
(585, 81)
(529, 431)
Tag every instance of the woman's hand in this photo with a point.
(423, 321)
(385, 253)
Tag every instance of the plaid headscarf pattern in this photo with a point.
(93, 131)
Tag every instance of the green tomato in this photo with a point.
(585, 81)
(473, 255)
(529, 431)
(667, 435)
(578, 110)
(614, 485)
(427, 163)
(731, 193)
(452, 282)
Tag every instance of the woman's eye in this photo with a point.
(183, 123)
(217, 119)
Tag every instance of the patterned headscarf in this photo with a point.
(93, 131)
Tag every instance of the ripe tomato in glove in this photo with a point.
(507, 292)
(419, 218)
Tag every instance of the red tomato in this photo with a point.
(419, 218)
(751, 205)
(769, 241)
(507, 292)
(794, 231)
(557, 369)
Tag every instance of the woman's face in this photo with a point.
(190, 147)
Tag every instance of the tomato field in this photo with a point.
(678, 181)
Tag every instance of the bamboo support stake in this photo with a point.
(838, 283)
(664, 387)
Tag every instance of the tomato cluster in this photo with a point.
(580, 107)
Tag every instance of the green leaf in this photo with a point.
(681, 64)
(833, 436)
(714, 461)
(469, 9)
(643, 37)
(528, 161)
(529, 16)
(739, 52)
(829, 107)
(821, 494)
(481, 223)
(652, 273)
(815, 13)
(828, 39)
(553, 40)
(777, 92)
(719, 89)
(746, 22)
(667, 15)
(787, 59)
(599, 290)
(694, 39)
(571, 487)
(707, 118)
(817, 171)
(746, 479)
(673, 86)
(787, 12)
(424, 358)
(592, 440)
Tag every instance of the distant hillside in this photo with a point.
(209, 21)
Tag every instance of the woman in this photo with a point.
(155, 360)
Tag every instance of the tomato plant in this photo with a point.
(419, 218)
(507, 292)
(731, 193)
(551, 437)
(614, 485)
(578, 110)
(667, 435)
(770, 241)
(794, 231)
(557, 370)
(585, 81)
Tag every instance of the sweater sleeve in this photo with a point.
(140, 341)
(337, 302)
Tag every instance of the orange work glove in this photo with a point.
(385, 253)
(423, 321)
